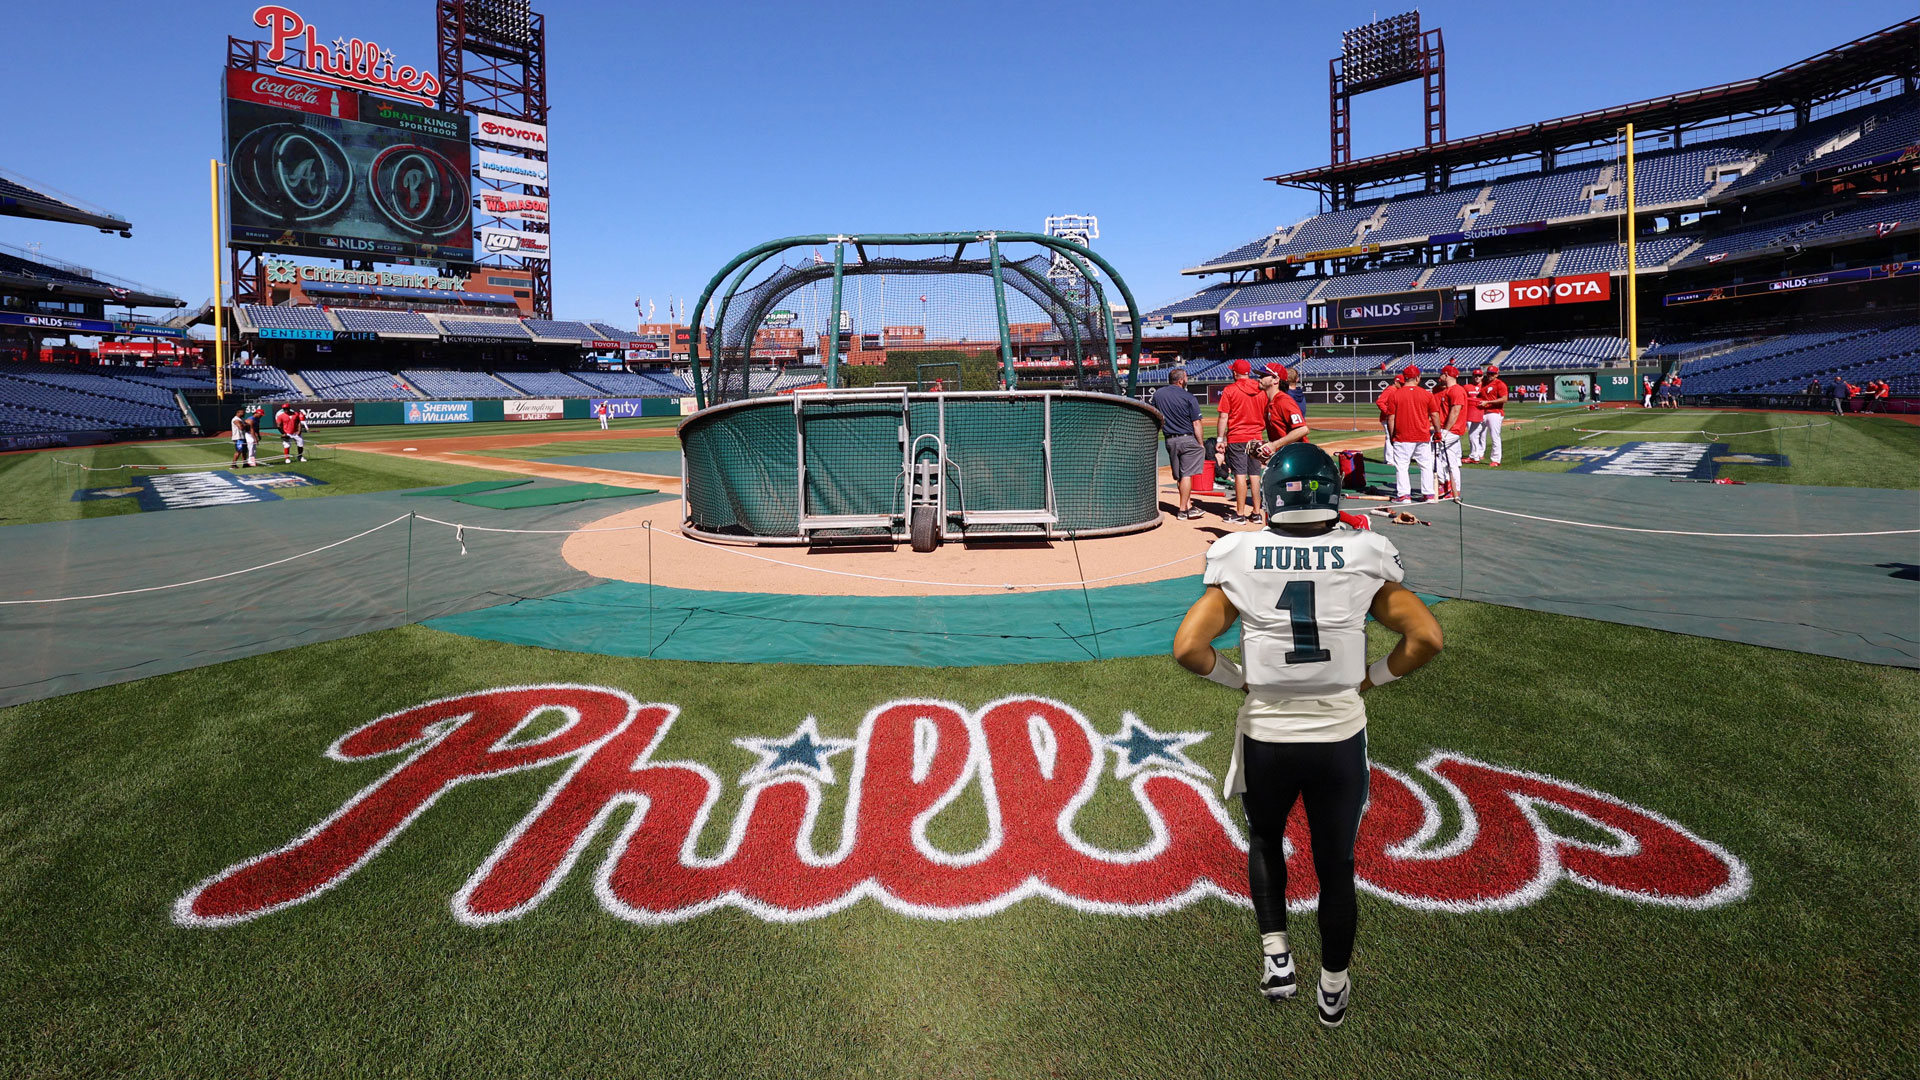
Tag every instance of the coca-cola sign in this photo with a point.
(1033, 762)
(284, 93)
(349, 62)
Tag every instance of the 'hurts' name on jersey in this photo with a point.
(1300, 558)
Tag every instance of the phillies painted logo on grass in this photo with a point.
(1036, 763)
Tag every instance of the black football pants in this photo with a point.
(1332, 779)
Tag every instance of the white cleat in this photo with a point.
(1277, 979)
(1333, 1004)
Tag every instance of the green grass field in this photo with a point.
(38, 487)
(1829, 451)
(117, 801)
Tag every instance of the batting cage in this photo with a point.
(913, 425)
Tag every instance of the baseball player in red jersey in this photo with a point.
(1411, 422)
(1285, 422)
(1385, 404)
(1451, 406)
(1243, 419)
(1476, 418)
(1493, 403)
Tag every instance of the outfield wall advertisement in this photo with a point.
(439, 412)
(534, 408)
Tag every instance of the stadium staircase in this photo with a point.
(300, 385)
(189, 318)
(1550, 264)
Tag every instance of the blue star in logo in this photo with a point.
(1138, 747)
(803, 753)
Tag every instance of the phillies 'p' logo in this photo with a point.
(1036, 763)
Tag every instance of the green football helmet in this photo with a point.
(1301, 486)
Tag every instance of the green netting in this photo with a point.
(856, 302)
(742, 476)
(853, 458)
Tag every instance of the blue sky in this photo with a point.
(685, 133)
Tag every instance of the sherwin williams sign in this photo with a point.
(1252, 316)
(439, 412)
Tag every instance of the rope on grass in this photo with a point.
(118, 468)
(1682, 532)
(215, 577)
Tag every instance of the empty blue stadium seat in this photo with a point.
(458, 384)
(387, 322)
(287, 317)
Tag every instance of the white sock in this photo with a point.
(1333, 981)
(1274, 944)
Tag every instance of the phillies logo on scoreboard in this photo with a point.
(502, 205)
(1033, 762)
(349, 62)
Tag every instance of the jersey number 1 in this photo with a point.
(1297, 601)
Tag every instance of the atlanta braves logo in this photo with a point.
(1034, 762)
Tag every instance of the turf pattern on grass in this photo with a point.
(551, 496)
(474, 488)
(128, 796)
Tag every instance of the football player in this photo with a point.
(1302, 589)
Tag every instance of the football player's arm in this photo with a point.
(1397, 608)
(1208, 618)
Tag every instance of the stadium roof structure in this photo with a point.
(20, 197)
(1886, 55)
(32, 272)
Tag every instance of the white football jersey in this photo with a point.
(1303, 605)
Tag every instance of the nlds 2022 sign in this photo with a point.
(1034, 762)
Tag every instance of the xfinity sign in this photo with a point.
(1253, 316)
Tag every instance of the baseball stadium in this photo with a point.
(872, 669)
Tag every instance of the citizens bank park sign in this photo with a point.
(282, 272)
(1034, 763)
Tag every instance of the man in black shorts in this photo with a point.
(1179, 421)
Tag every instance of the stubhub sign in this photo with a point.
(1251, 316)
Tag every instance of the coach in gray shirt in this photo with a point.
(1179, 419)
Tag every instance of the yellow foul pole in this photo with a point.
(1633, 271)
(219, 290)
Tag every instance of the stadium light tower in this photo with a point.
(1082, 229)
(493, 61)
(1380, 54)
